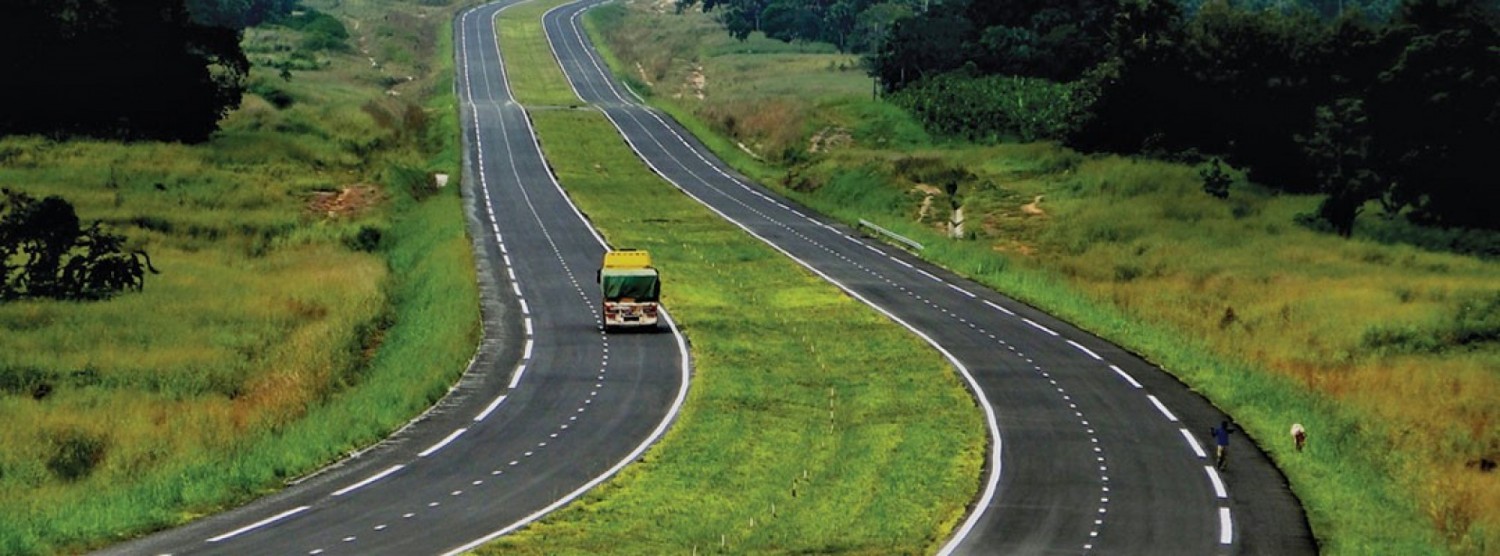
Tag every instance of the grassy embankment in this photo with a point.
(276, 338)
(1387, 353)
(793, 439)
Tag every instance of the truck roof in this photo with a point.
(627, 258)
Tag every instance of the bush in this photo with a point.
(320, 31)
(75, 453)
(366, 239)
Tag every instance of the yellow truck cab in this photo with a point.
(631, 289)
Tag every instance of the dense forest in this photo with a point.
(125, 69)
(1390, 102)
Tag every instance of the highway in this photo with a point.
(1092, 449)
(551, 405)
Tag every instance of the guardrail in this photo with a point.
(893, 235)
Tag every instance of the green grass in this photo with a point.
(269, 345)
(535, 79)
(1364, 342)
(864, 442)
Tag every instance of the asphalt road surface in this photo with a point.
(1092, 449)
(551, 405)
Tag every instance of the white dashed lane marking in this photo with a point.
(261, 523)
(1125, 376)
(1039, 327)
(1162, 408)
(1226, 527)
(371, 479)
(444, 442)
(1193, 443)
(1213, 477)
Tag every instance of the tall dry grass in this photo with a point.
(275, 338)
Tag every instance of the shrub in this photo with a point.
(75, 453)
(366, 239)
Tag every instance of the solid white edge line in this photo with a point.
(261, 523)
(1125, 376)
(370, 479)
(1226, 527)
(1162, 408)
(1038, 326)
(489, 409)
(515, 377)
(1193, 443)
(1213, 476)
(997, 307)
(963, 291)
(441, 443)
(661, 428)
(1085, 350)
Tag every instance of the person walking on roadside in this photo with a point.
(1221, 443)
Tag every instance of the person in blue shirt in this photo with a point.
(1221, 443)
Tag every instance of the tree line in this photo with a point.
(1395, 101)
(124, 69)
(851, 25)
(1403, 112)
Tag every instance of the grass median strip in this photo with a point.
(793, 439)
(535, 79)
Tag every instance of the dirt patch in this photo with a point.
(346, 202)
(695, 84)
(1034, 208)
(644, 79)
(928, 192)
(829, 138)
(1015, 247)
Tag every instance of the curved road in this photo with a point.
(1093, 450)
(550, 406)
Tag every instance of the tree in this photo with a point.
(237, 14)
(1216, 181)
(921, 47)
(1435, 111)
(1340, 148)
(873, 24)
(61, 259)
(125, 69)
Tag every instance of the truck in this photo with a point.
(631, 289)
